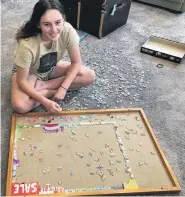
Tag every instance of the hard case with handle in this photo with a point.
(97, 17)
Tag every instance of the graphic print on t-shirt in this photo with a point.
(47, 62)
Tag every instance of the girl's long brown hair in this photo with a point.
(31, 27)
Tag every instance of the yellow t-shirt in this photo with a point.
(33, 54)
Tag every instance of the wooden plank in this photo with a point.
(78, 112)
(128, 191)
(10, 160)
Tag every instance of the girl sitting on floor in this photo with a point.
(39, 73)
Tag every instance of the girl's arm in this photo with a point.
(22, 75)
(76, 63)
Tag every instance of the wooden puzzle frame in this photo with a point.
(174, 188)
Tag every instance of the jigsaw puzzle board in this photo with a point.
(86, 153)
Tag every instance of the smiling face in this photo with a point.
(51, 24)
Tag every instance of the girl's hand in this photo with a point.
(60, 94)
(53, 107)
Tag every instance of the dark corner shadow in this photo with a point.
(167, 9)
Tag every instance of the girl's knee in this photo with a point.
(89, 75)
(19, 107)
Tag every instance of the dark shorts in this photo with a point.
(45, 76)
(41, 76)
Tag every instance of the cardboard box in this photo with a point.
(165, 49)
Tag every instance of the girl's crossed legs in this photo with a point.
(22, 103)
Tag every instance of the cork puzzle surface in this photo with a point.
(94, 152)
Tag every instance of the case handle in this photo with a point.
(113, 10)
(116, 8)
